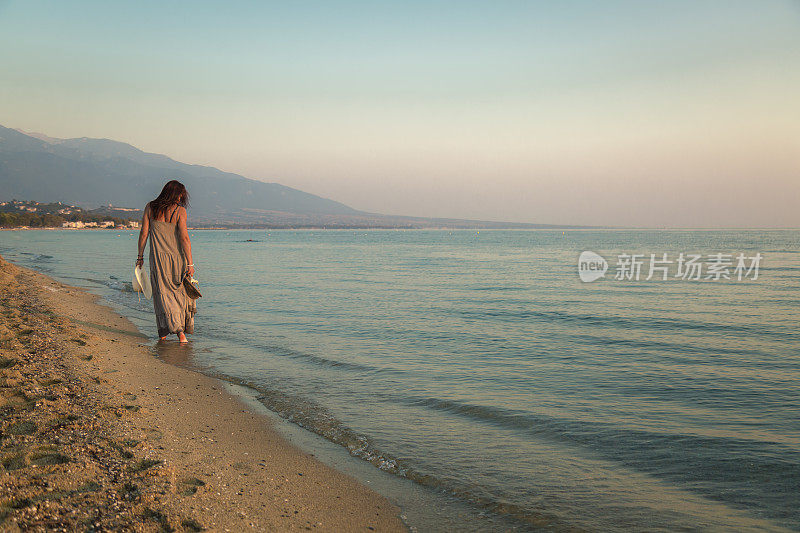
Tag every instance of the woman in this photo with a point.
(164, 221)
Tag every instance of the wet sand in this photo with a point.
(98, 434)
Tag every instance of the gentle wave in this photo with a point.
(704, 459)
(611, 321)
(315, 418)
(283, 351)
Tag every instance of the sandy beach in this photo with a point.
(100, 435)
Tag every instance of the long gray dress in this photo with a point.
(167, 265)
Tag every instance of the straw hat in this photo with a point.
(141, 282)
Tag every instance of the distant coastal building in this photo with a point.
(78, 224)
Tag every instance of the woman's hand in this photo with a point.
(190, 271)
(139, 261)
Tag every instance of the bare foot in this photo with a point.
(164, 338)
(182, 337)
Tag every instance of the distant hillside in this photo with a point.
(94, 172)
(98, 172)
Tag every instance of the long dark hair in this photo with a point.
(173, 193)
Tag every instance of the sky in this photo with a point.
(624, 113)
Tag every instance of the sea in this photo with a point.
(474, 378)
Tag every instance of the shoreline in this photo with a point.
(444, 228)
(99, 432)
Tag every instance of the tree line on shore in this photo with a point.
(49, 220)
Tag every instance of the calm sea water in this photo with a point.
(480, 366)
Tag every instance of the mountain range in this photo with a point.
(98, 172)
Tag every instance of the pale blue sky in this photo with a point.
(678, 113)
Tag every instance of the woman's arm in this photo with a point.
(143, 232)
(186, 244)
